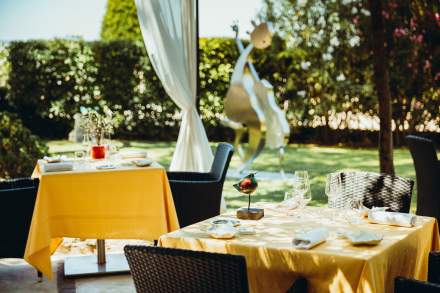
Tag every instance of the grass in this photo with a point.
(317, 160)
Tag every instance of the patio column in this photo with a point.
(169, 32)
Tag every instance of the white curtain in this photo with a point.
(169, 31)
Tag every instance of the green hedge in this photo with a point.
(49, 81)
(19, 148)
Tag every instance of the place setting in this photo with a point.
(98, 151)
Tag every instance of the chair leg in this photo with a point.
(299, 286)
(39, 276)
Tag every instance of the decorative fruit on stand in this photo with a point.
(248, 185)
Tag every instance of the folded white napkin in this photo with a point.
(365, 210)
(290, 204)
(310, 239)
(391, 218)
(133, 154)
(364, 238)
(57, 167)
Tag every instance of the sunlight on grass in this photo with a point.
(316, 159)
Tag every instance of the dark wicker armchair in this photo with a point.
(427, 167)
(17, 197)
(157, 269)
(374, 190)
(197, 196)
(405, 285)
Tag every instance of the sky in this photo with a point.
(47, 19)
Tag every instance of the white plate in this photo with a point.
(142, 162)
(105, 167)
(231, 222)
(247, 231)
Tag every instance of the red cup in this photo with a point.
(98, 152)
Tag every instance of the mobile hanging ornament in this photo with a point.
(248, 185)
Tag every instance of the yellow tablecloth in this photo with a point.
(128, 203)
(334, 266)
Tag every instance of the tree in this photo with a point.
(333, 38)
(381, 81)
(120, 21)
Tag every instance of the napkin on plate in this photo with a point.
(132, 154)
(392, 218)
(363, 238)
(310, 239)
(57, 167)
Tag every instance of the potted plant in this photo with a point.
(96, 126)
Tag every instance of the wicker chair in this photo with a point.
(167, 270)
(374, 189)
(197, 196)
(405, 285)
(17, 197)
(427, 167)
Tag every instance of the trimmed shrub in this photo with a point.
(19, 148)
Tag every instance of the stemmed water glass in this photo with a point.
(86, 143)
(80, 158)
(333, 189)
(299, 196)
(301, 188)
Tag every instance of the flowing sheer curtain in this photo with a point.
(169, 31)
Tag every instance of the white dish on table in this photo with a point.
(231, 222)
(222, 231)
(364, 238)
(105, 167)
(142, 162)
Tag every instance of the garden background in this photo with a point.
(319, 63)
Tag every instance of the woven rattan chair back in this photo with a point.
(373, 189)
(167, 270)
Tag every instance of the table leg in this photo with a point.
(90, 265)
(100, 247)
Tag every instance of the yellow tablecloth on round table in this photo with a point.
(334, 266)
(123, 203)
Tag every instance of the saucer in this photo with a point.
(105, 167)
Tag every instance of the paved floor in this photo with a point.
(16, 275)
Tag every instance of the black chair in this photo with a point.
(17, 197)
(196, 195)
(406, 285)
(427, 168)
(167, 270)
(374, 189)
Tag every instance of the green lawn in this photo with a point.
(316, 159)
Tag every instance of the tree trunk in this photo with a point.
(381, 80)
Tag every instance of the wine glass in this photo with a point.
(301, 184)
(332, 187)
(86, 143)
(80, 157)
(332, 190)
(301, 176)
(307, 197)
